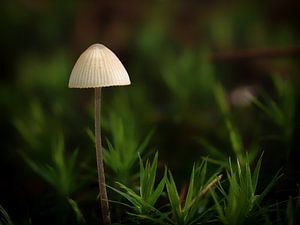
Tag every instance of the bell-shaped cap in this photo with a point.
(98, 67)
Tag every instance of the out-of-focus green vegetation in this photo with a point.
(189, 100)
(241, 203)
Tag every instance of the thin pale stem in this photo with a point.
(100, 167)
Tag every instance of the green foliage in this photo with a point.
(190, 81)
(281, 111)
(286, 212)
(241, 203)
(234, 136)
(122, 154)
(291, 213)
(32, 126)
(61, 173)
(78, 214)
(4, 217)
(49, 74)
(175, 77)
(144, 202)
(194, 208)
(148, 179)
(122, 160)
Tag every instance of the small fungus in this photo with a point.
(99, 67)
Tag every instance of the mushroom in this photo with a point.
(99, 67)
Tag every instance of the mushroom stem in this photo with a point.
(101, 176)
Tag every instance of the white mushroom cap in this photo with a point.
(98, 67)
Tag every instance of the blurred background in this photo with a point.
(209, 78)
